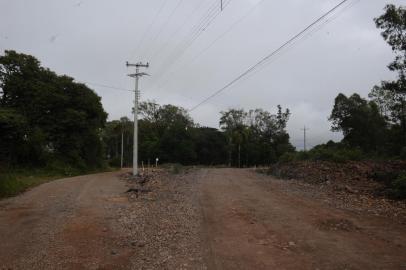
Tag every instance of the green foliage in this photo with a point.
(166, 132)
(399, 187)
(112, 134)
(210, 146)
(378, 126)
(393, 24)
(256, 137)
(44, 116)
(334, 152)
(16, 180)
(403, 153)
(394, 181)
(288, 157)
(359, 120)
(391, 95)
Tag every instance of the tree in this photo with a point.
(112, 140)
(360, 121)
(393, 24)
(166, 132)
(51, 116)
(210, 145)
(391, 95)
(257, 135)
(232, 123)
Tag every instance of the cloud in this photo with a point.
(94, 41)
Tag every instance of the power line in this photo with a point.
(263, 60)
(164, 25)
(155, 53)
(194, 34)
(302, 38)
(219, 37)
(191, 34)
(146, 31)
(107, 86)
(199, 31)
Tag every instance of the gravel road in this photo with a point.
(198, 219)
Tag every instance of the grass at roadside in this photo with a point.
(16, 181)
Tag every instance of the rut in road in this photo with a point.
(254, 222)
(199, 219)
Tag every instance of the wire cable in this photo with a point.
(173, 34)
(250, 69)
(146, 31)
(219, 37)
(163, 26)
(106, 86)
(183, 46)
(302, 38)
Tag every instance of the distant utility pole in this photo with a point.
(122, 145)
(136, 75)
(304, 137)
(221, 3)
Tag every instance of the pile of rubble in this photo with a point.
(363, 177)
(359, 186)
(163, 221)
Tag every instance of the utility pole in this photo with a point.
(221, 5)
(136, 75)
(122, 145)
(304, 137)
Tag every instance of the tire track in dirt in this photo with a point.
(251, 224)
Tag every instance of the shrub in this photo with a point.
(399, 187)
(287, 157)
(403, 153)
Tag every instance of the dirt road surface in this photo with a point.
(199, 219)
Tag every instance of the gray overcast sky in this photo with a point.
(90, 40)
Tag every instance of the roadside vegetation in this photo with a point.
(52, 126)
(18, 180)
(374, 129)
(245, 138)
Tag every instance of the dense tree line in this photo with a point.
(165, 132)
(248, 138)
(47, 118)
(378, 124)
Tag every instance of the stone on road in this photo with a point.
(198, 219)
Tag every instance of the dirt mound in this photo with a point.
(362, 186)
(364, 177)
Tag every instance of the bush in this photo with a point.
(323, 153)
(403, 153)
(115, 162)
(287, 157)
(399, 187)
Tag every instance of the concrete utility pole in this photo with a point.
(122, 144)
(136, 75)
(304, 137)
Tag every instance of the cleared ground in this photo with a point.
(202, 219)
